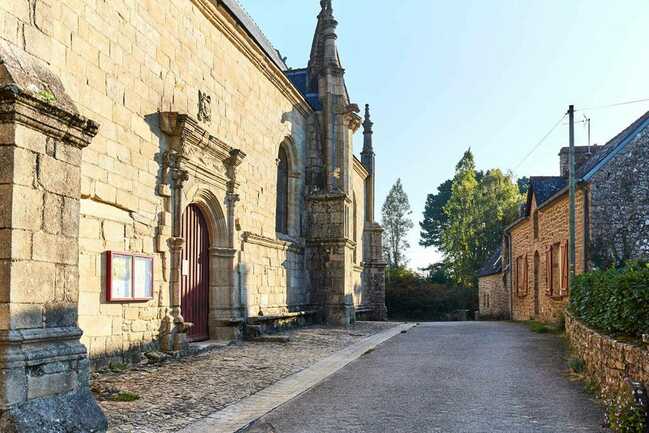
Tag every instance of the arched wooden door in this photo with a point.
(195, 270)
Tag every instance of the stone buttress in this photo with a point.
(330, 247)
(44, 375)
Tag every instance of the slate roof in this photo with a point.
(493, 265)
(300, 79)
(610, 149)
(545, 187)
(254, 31)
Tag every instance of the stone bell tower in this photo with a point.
(329, 243)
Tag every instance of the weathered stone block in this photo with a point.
(6, 164)
(59, 177)
(32, 282)
(52, 213)
(113, 231)
(7, 206)
(27, 208)
(30, 139)
(55, 249)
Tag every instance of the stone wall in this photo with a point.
(552, 230)
(273, 278)
(145, 69)
(620, 206)
(357, 229)
(493, 297)
(122, 62)
(608, 361)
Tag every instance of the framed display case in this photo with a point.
(129, 277)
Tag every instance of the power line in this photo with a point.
(545, 137)
(601, 107)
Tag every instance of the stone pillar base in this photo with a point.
(76, 412)
(339, 315)
(226, 330)
(379, 313)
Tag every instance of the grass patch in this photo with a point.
(117, 367)
(542, 328)
(125, 396)
(577, 365)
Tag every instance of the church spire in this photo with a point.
(367, 131)
(324, 51)
(368, 161)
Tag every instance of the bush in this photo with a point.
(623, 413)
(615, 301)
(410, 296)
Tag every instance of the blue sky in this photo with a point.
(493, 75)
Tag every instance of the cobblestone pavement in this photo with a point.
(176, 393)
(449, 378)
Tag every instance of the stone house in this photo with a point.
(166, 178)
(492, 293)
(612, 223)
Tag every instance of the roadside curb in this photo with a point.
(242, 414)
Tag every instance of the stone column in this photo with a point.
(375, 270)
(44, 369)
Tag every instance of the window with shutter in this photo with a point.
(548, 271)
(564, 268)
(525, 275)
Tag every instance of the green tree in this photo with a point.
(481, 205)
(396, 225)
(459, 237)
(435, 219)
(497, 202)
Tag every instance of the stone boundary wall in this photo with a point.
(608, 361)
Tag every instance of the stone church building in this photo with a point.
(612, 226)
(166, 178)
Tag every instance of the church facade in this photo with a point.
(166, 178)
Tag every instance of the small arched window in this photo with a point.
(281, 216)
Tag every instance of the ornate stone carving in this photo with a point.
(194, 149)
(204, 107)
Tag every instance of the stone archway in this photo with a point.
(224, 302)
(202, 171)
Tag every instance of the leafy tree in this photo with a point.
(459, 238)
(437, 273)
(481, 205)
(396, 225)
(523, 184)
(497, 202)
(435, 219)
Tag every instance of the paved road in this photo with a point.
(479, 377)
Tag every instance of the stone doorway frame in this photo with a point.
(201, 170)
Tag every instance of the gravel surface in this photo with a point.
(176, 393)
(479, 377)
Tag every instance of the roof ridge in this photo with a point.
(255, 31)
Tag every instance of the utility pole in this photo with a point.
(572, 197)
(587, 120)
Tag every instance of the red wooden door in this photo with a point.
(195, 270)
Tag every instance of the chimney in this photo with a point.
(582, 154)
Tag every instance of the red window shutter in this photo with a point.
(526, 275)
(565, 267)
(517, 276)
(548, 271)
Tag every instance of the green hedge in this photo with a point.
(615, 301)
(412, 297)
